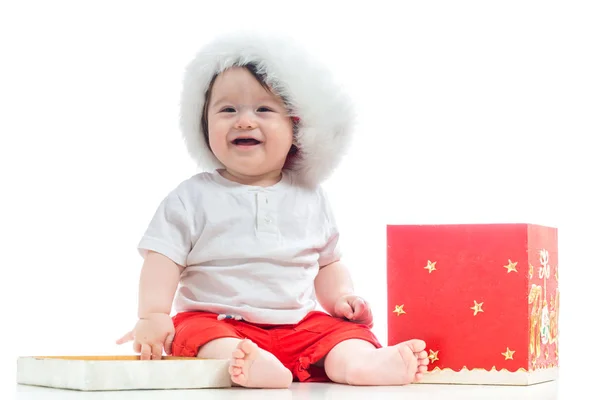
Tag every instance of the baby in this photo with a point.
(246, 250)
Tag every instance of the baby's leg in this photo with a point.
(250, 365)
(395, 365)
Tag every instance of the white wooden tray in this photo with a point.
(100, 373)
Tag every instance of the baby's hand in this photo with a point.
(150, 335)
(355, 309)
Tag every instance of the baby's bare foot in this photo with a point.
(401, 364)
(251, 367)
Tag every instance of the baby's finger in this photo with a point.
(126, 338)
(137, 347)
(350, 314)
(346, 310)
(146, 353)
(169, 343)
(157, 351)
(367, 317)
(359, 307)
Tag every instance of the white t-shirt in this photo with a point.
(248, 251)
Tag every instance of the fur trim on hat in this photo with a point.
(326, 113)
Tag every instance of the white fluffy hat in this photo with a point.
(325, 111)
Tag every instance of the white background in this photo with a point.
(469, 112)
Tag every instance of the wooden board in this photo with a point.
(122, 372)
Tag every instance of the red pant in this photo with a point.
(298, 346)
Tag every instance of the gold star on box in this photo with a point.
(508, 355)
(399, 310)
(511, 266)
(477, 307)
(433, 356)
(430, 266)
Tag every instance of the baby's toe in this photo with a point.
(417, 345)
(237, 379)
(237, 362)
(234, 371)
(237, 353)
(247, 346)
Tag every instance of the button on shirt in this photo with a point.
(248, 251)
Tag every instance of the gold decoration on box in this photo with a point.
(430, 266)
(508, 354)
(465, 369)
(544, 272)
(554, 306)
(535, 319)
(511, 266)
(530, 271)
(543, 320)
(477, 307)
(399, 310)
(549, 365)
(433, 356)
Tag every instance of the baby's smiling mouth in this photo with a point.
(246, 142)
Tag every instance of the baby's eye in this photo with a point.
(264, 109)
(228, 109)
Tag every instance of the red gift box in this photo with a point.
(484, 297)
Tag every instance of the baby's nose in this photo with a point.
(246, 120)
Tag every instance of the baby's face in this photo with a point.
(249, 129)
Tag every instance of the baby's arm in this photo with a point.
(154, 330)
(332, 282)
(335, 293)
(165, 246)
(333, 285)
(158, 282)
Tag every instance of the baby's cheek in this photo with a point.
(277, 147)
(217, 136)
